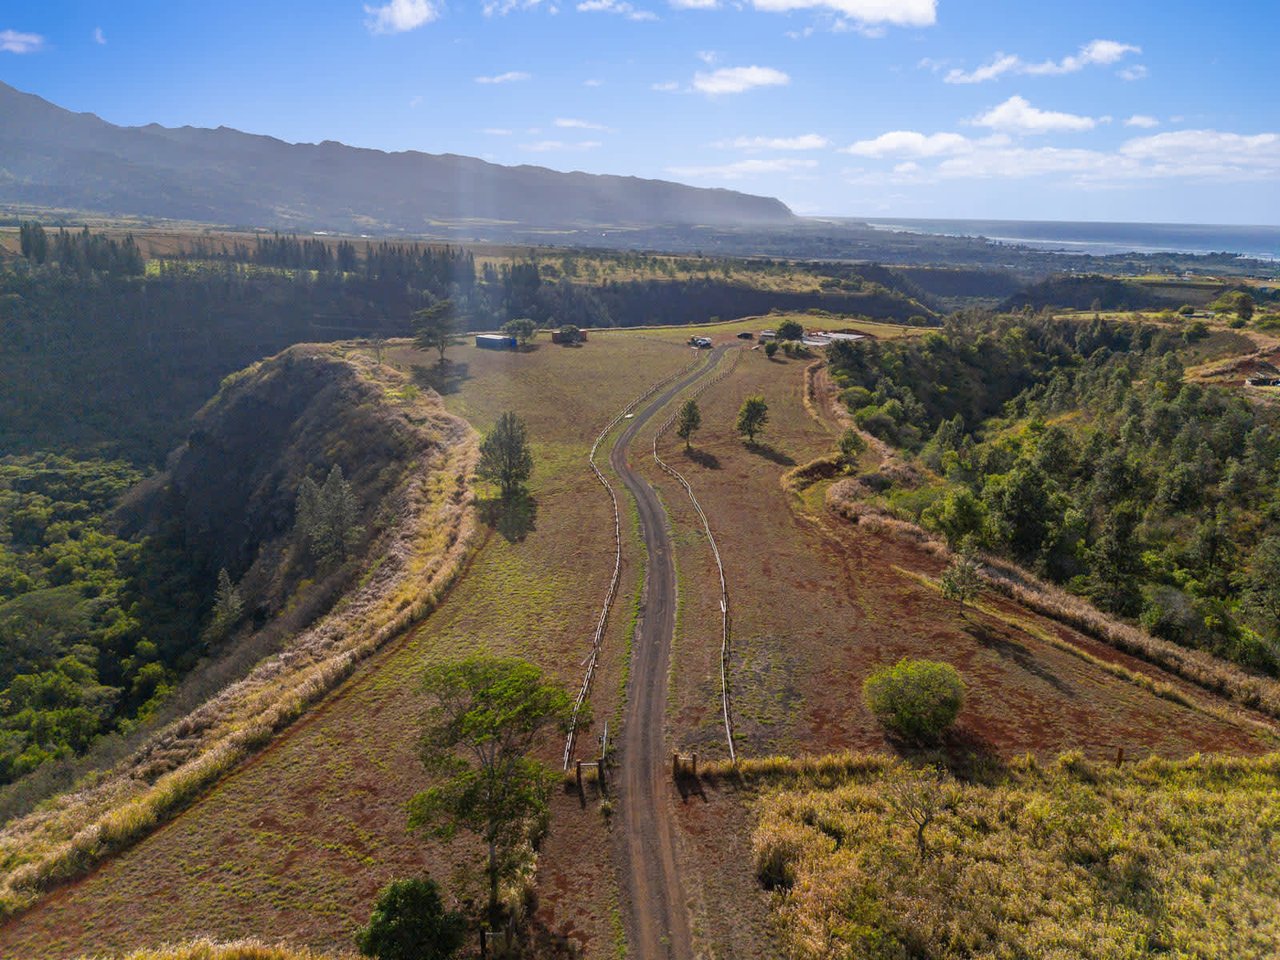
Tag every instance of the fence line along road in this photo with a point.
(715, 551)
(597, 639)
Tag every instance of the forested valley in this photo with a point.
(1083, 451)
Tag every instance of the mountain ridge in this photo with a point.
(50, 156)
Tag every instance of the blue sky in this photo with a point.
(1134, 110)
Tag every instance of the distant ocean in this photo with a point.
(1262, 243)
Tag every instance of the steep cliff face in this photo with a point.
(228, 496)
(227, 499)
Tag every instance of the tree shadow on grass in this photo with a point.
(703, 458)
(514, 517)
(770, 452)
(964, 753)
(1010, 649)
(443, 378)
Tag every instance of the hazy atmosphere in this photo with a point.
(918, 108)
(639, 480)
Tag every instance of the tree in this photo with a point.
(688, 420)
(327, 518)
(917, 699)
(34, 241)
(409, 922)
(961, 581)
(957, 515)
(790, 330)
(569, 333)
(851, 445)
(504, 455)
(1244, 307)
(752, 417)
(522, 328)
(227, 607)
(491, 711)
(1261, 600)
(436, 327)
(770, 348)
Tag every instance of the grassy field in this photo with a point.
(870, 858)
(296, 844)
(816, 603)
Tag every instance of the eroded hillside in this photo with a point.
(228, 498)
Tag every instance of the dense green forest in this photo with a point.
(1080, 450)
(75, 659)
(103, 358)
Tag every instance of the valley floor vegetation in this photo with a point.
(1081, 450)
(870, 858)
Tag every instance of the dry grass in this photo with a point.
(872, 858)
(1240, 687)
(211, 950)
(420, 556)
(298, 842)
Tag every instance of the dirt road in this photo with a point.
(657, 915)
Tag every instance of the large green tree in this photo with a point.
(688, 420)
(486, 715)
(505, 458)
(410, 922)
(436, 327)
(752, 417)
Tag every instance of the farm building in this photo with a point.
(1264, 381)
(568, 336)
(495, 341)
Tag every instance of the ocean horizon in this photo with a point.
(1259, 242)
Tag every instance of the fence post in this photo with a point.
(579, 768)
(1119, 755)
(694, 766)
(675, 767)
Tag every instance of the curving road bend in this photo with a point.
(657, 915)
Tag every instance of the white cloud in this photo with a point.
(1016, 115)
(708, 56)
(1000, 64)
(1142, 120)
(1136, 72)
(738, 79)
(415, 102)
(397, 16)
(546, 146)
(99, 37)
(511, 76)
(807, 141)
(669, 86)
(11, 41)
(500, 8)
(695, 4)
(1206, 155)
(592, 82)
(620, 7)
(497, 131)
(909, 143)
(1093, 53)
(744, 168)
(570, 123)
(897, 13)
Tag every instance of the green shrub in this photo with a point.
(917, 699)
(409, 922)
